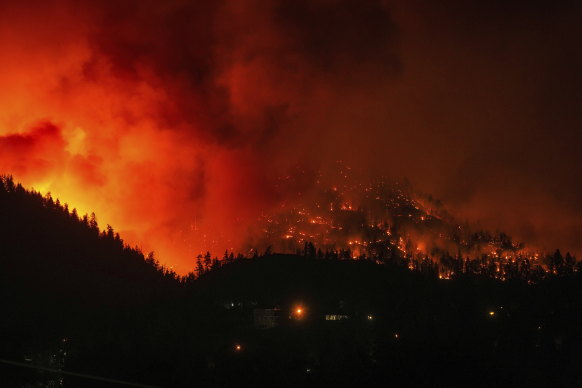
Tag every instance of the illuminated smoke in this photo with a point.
(173, 120)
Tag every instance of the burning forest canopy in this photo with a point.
(183, 123)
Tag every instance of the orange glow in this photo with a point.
(116, 142)
(178, 144)
(298, 312)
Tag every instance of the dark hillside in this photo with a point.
(76, 299)
(61, 278)
(423, 331)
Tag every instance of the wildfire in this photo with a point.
(380, 230)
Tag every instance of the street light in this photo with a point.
(298, 312)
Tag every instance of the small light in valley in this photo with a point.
(298, 312)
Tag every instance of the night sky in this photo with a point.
(172, 119)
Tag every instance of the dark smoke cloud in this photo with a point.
(341, 36)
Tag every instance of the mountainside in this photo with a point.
(387, 221)
(57, 248)
(60, 277)
(74, 299)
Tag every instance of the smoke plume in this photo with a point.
(173, 120)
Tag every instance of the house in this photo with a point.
(336, 317)
(265, 318)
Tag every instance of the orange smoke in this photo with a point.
(171, 120)
(116, 142)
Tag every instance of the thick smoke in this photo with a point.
(173, 120)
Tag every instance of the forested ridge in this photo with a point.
(74, 298)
